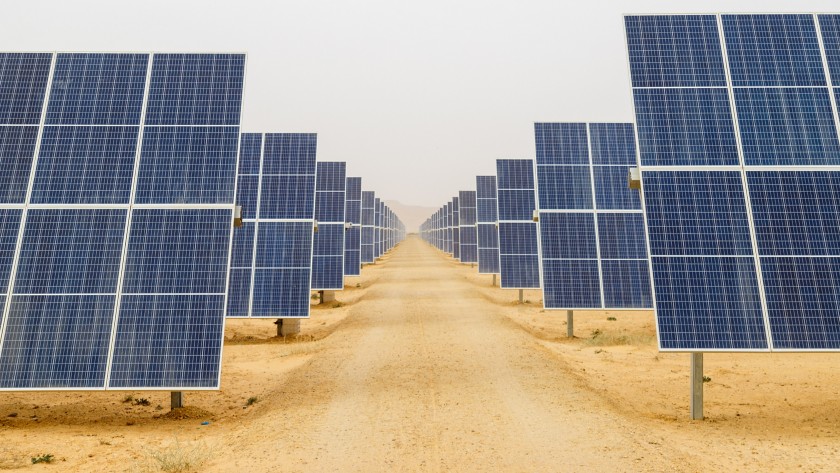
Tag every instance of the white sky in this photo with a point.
(418, 97)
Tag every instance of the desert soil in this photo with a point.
(423, 365)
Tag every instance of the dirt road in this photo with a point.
(426, 374)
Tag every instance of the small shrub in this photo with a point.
(315, 296)
(142, 402)
(45, 458)
(611, 319)
(595, 333)
(706, 379)
(128, 398)
(252, 400)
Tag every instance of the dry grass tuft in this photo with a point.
(176, 457)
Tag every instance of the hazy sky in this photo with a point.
(418, 97)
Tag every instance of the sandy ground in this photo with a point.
(422, 365)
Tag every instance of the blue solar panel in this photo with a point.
(93, 254)
(73, 251)
(196, 89)
(685, 127)
(487, 236)
(377, 228)
(368, 222)
(456, 229)
(85, 165)
(518, 254)
(168, 340)
(23, 85)
(353, 235)
(182, 251)
(271, 263)
(773, 50)
(17, 148)
(830, 28)
(590, 221)
(78, 97)
(187, 165)
(468, 237)
(57, 341)
(709, 258)
(328, 245)
(674, 51)
(787, 127)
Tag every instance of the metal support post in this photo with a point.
(570, 323)
(521, 296)
(697, 386)
(176, 400)
(494, 279)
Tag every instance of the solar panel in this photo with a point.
(456, 229)
(467, 231)
(486, 221)
(591, 223)
(739, 150)
(518, 251)
(353, 233)
(377, 228)
(271, 263)
(118, 183)
(328, 243)
(368, 224)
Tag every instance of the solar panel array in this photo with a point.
(271, 264)
(328, 245)
(467, 234)
(518, 245)
(737, 125)
(353, 233)
(591, 223)
(486, 221)
(116, 211)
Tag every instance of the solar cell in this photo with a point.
(743, 253)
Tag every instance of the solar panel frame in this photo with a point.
(746, 171)
(468, 233)
(169, 376)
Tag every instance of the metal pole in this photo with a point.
(570, 323)
(521, 297)
(697, 386)
(279, 324)
(176, 400)
(494, 279)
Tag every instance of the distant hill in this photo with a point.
(411, 215)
